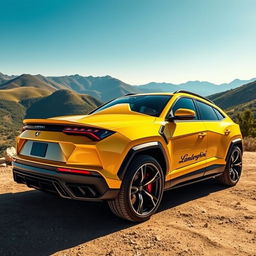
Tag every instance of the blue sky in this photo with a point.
(137, 41)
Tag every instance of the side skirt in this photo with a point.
(192, 181)
(193, 177)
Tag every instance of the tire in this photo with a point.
(233, 168)
(141, 190)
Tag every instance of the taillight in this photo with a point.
(33, 127)
(93, 133)
(74, 171)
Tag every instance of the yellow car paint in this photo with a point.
(208, 141)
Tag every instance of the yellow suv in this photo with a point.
(130, 150)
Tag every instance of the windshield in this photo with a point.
(152, 105)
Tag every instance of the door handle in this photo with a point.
(201, 135)
(227, 132)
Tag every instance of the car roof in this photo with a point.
(179, 92)
(148, 93)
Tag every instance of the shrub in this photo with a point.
(249, 144)
(247, 123)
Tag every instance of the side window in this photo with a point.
(219, 114)
(206, 112)
(184, 103)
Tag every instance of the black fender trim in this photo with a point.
(139, 149)
(233, 143)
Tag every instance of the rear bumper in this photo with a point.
(66, 185)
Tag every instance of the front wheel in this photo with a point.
(233, 168)
(141, 191)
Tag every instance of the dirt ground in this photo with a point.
(200, 219)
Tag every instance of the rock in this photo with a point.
(148, 246)
(132, 233)
(185, 214)
(205, 225)
(3, 165)
(110, 253)
(248, 217)
(10, 153)
(132, 241)
(2, 160)
(157, 238)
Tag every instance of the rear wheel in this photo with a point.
(233, 169)
(141, 191)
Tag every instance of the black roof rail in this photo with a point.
(192, 93)
(130, 94)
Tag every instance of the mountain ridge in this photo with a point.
(203, 88)
(106, 88)
(237, 96)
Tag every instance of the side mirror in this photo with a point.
(183, 114)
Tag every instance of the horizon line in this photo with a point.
(159, 82)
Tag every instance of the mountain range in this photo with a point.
(103, 88)
(37, 96)
(203, 88)
(106, 88)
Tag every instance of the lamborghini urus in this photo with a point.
(130, 150)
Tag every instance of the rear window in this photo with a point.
(206, 111)
(219, 114)
(152, 105)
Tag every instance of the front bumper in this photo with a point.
(66, 185)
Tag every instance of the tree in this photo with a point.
(247, 123)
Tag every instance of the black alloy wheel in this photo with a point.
(141, 191)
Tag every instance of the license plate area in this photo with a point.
(39, 149)
(51, 152)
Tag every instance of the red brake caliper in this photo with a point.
(149, 187)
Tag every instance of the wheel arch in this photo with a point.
(154, 149)
(236, 142)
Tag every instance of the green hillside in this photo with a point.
(26, 102)
(27, 80)
(11, 115)
(62, 102)
(23, 93)
(242, 107)
(231, 98)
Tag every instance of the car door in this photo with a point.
(187, 144)
(218, 136)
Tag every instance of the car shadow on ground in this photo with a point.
(35, 223)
